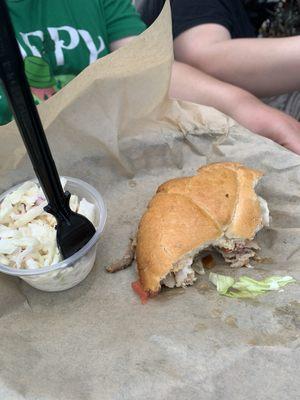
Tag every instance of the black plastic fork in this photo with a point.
(73, 230)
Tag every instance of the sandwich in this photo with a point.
(216, 209)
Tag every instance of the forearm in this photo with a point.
(264, 67)
(120, 43)
(188, 83)
(191, 84)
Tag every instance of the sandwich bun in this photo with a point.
(190, 214)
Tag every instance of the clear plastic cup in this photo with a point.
(73, 270)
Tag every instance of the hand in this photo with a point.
(285, 130)
(269, 122)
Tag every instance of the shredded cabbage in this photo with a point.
(27, 232)
(222, 282)
(247, 287)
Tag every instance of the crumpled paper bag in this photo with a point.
(115, 127)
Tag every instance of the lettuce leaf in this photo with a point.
(247, 287)
(222, 282)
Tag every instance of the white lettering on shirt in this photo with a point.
(60, 44)
(33, 48)
(71, 43)
(23, 52)
(94, 52)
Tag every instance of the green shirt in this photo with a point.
(59, 38)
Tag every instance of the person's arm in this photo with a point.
(120, 43)
(122, 22)
(188, 83)
(265, 67)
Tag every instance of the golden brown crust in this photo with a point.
(247, 218)
(189, 212)
(214, 189)
(246, 214)
(172, 227)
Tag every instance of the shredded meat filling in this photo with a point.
(240, 254)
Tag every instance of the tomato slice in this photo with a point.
(137, 287)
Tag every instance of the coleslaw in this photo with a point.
(27, 232)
